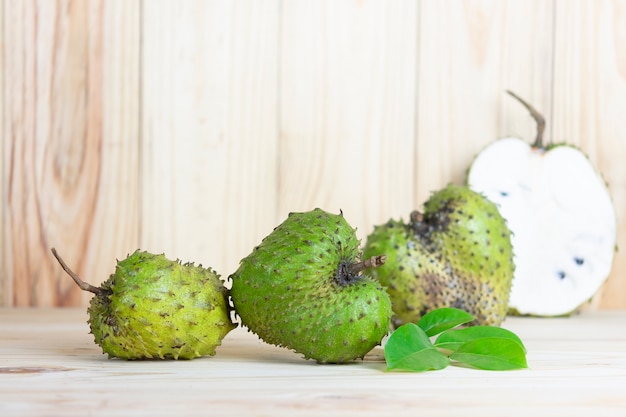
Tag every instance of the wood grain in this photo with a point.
(348, 73)
(469, 54)
(590, 104)
(70, 144)
(5, 293)
(50, 366)
(194, 127)
(209, 129)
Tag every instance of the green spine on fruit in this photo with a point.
(298, 289)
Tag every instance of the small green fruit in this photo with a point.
(302, 289)
(152, 307)
(456, 254)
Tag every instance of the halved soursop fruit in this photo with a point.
(561, 215)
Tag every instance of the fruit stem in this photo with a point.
(416, 222)
(82, 284)
(539, 119)
(373, 262)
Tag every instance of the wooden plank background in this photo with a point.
(193, 127)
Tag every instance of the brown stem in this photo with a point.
(416, 222)
(373, 262)
(82, 284)
(539, 119)
(416, 218)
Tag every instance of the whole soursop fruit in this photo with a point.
(302, 289)
(457, 253)
(562, 217)
(152, 307)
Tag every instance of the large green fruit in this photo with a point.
(302, 288)
(457, 253)
(152, 307)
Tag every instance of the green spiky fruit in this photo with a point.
(152, 307)
(456, 254)
(302, 288)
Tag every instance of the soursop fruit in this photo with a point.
(152, 307)
(302, 288)
(457, 253)
(562, 217)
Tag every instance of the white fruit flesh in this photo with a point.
(562, 218)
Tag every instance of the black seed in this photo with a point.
(579, 261)
(504, 194)
(561, 274)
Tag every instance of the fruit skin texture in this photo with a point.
(456, 254)
(152, 307)
(295, 290)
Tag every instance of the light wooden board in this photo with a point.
(194, 127)
(5, 294)
(70, 144)
(590, 105)
(209, 130)
(348, 73)
(469, 54)
(50, 366)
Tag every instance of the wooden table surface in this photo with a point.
(49, 366)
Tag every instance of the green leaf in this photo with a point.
(409, 348)
(443, 319)
(453, 339)
(491, 353)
